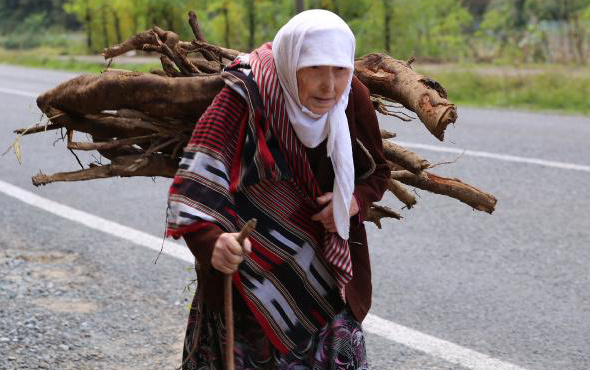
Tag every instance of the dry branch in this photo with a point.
(111, 144)
(387, 134)
(138, 165)
(136, 42)
(376, 213)
(453, 188)
(403, 157)
(405, 196)
(37, 129)
(192, 20)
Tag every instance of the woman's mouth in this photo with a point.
(323, 101)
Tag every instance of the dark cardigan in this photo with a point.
(372, 175)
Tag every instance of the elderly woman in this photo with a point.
(293, 141)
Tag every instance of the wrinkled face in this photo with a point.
(320, 87)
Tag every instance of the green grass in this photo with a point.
(545, 90)
(47, 58)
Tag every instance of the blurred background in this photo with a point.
(530, 54)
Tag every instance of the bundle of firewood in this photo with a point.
(142, 121)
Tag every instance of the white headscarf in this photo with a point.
(319, 38)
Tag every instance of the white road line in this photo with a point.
(373, 324)
(18, 92)
(436, 347)
(501, 157)
(98, 223)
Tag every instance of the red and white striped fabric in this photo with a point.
(336, 249)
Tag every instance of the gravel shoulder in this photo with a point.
(68, 306)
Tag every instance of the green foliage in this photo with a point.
(47, 58)
(549, 90)
(14, 12)
(438, 30)
(423, 28)
(556, 10)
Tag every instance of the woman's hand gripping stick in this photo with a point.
(228, 302)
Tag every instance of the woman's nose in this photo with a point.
(327, 81)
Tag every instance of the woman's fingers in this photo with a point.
(247, 246)
(326, 217)
(325, 199)
(228, 253)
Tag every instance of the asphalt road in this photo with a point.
(514, 285)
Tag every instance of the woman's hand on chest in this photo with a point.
(326, 215)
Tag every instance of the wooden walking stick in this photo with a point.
(228, 302)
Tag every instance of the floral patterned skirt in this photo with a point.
(338, 345)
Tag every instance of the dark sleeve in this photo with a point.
(371, 188)
(201, 242)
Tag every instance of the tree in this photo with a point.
(14, 12)
(298, 6)
(251, 21)
(387, 25)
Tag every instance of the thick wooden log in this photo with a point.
(396, 80)
(181, 97)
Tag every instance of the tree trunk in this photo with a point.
(88, 20)
(225, 12)
(298, 6)
(520, 16)
(336, 6)
(251, 14)
(387, 25)
(118, 32)
(105, 33)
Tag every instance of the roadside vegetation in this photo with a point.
(529, 54)
(544, 89)
(50, 59)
